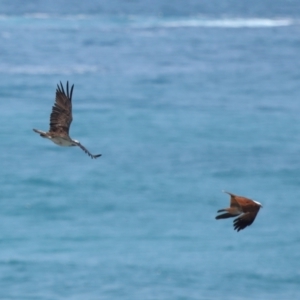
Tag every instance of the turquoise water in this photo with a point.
(183, 101)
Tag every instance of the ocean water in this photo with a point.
(183, 99)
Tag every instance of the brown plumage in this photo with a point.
(61, 115)
(61, 119)
(246, 208)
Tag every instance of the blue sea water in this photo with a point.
(183, 99)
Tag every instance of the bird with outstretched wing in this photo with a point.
(61, 119)
(243, 207)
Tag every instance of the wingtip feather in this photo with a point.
(230, 194)
(71, 92)
(68, 89)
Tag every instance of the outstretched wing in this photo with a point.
(233, 202)
(247, 218)
(86, 150)
(61, 115)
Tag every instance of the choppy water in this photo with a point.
(183, 100)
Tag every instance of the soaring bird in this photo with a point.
(61, 119)
(245, 208)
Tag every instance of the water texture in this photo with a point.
(183, 100)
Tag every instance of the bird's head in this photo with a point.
(258, 203)
(75, 143)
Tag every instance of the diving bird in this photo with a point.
(61, 119)
(245, 208)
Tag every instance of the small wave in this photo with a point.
(46, 16)
(47, 70)
(64, 17)
(38, 16)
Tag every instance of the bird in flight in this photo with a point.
(61, 119)
(245, 208)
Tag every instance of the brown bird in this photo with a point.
(61, 119)
(240, 205)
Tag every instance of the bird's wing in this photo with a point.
(61, 115)
(251, 210)
(86, 150)
(233, 200)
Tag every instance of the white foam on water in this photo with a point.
(167, 22)
(218, 23)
